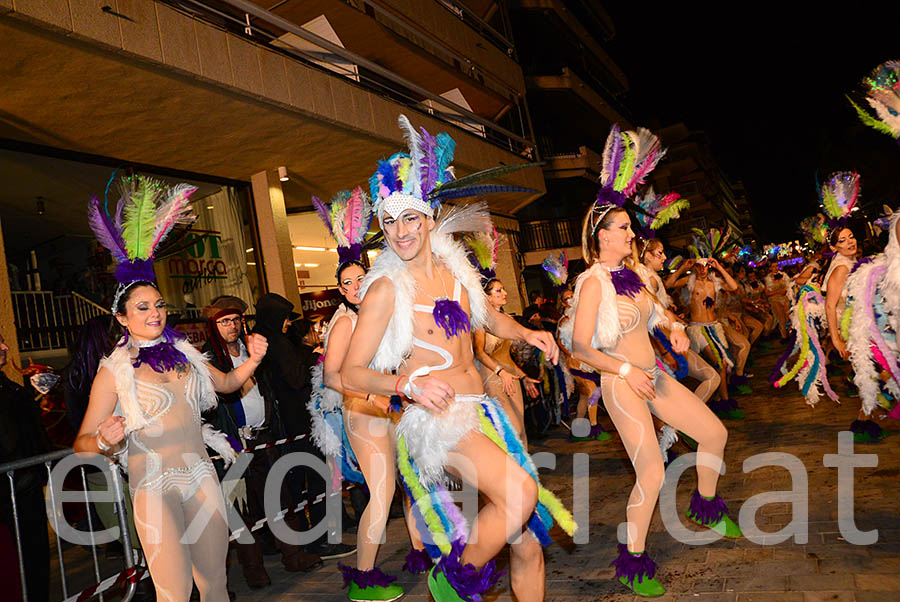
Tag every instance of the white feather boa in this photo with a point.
(607, 330)
(396, 345)
(325, 400)
(128, 405)
(862, 321)
(648, 277)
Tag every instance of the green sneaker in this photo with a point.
(734, 415)
(744, 389)
(604, 436)
(375, 592)
(724, 527)
(440, 588)
(644, 586)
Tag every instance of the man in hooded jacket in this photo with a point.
(286, 373)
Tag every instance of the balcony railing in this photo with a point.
(549, 234)
(242, 17)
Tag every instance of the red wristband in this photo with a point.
(397, 385)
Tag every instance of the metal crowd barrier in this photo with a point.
(130, 575)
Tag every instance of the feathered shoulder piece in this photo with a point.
(838, 196)
(657, 210)
(146, 213)
(882, 90)
(347, 218)
(814, 229)
(628, 157)
(713, 243)
(423, 178)
(557, 269)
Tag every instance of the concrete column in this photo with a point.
(7, 322)
(277, 253)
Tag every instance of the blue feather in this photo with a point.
(384, 176)
(469, 191)
(445, 147)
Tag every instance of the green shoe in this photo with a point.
(604, 436)
(725, 527)
(744, 389)
(644, 586)
(734, 415)
(440, 588)
(691, 444)
(375, 592)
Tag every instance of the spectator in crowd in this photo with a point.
(286, 373)
(249, 416)
(21, 436)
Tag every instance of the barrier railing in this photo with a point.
(129, 576)
(46, 321)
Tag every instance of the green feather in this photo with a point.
(626, 168)
(870, 121)
(669, 213)
(140, 219)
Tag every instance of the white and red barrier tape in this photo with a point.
(265, 445)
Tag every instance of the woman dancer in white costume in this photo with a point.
(146, 401)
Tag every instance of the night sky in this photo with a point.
(769, 89)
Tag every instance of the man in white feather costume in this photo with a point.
(421, 301)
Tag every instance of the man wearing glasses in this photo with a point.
(250, 418)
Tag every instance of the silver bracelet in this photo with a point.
(624, 369)
(498, 369)
(104, 447)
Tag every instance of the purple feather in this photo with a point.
(627, 283)
(449, 315)
(322, 211)
(468, 582)
(429, 168)
(133, 271)
(709, 302)
(776, 373)
(630, 565)
(417, 561)
(707, 512)
(591, 376)
(617, 151)
(608, 196)
(351, 253)
(163, 356)
(105, 230)
(863, 427)
(460, 524)
(374, 577)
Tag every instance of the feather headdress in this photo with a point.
(882, 89)
(628, 157)
(814, 229)
(657, 210)
(713, 243)
(557, 269)
(146, 213)
(347, 218)
(883, 222)
(423, 178)
(838, 196)
(481, 249)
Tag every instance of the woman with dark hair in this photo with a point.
(147, 398)
(499, 372)
(94, 341)
(612, 316)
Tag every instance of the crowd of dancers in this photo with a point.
(418, 384)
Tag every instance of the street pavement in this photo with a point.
(824, 567)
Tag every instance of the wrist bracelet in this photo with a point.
(103, 445)
(498, 369)
(678, 326)
(397, 385)
(624, 369)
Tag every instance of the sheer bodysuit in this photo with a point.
(514, 405)
(674, 404)
(178, 504)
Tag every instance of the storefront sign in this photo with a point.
(201, 263)
(321, 304)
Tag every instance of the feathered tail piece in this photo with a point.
(838, 196)
(882, 89)
(557, 269)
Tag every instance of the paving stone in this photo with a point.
(881, 583)
(844, 596)
(770, 597)
(759, 583)
(802, 583)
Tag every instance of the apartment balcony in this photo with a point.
(585, 163)
(549, 234)
(577, 97)
(432, 43)
(152, 85)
